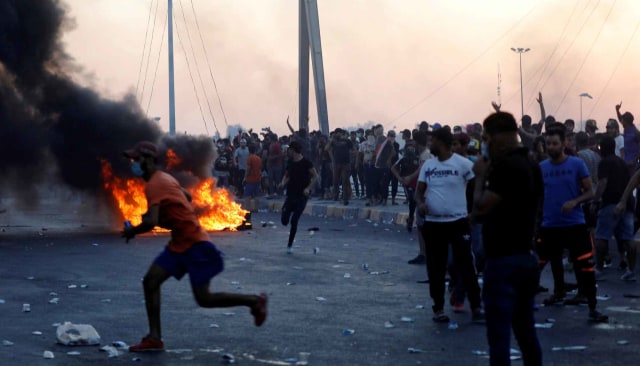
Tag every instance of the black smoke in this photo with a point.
(53, 129)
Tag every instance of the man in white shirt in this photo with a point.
(613, 130)
(441, 197)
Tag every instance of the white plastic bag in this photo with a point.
(77, 335)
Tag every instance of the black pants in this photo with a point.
(291, 211)
(553, 240)
(438, 236)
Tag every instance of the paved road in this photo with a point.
(312, 300)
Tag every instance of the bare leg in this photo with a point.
(207, 299)
(154, 278)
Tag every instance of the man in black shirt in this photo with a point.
(508, 193)
(613, 177)
(299, 178)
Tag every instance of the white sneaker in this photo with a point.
(628, 276)
(289, 250)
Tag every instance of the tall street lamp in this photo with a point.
(582, 97)
(520, 51)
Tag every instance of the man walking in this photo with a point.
(567, 185)
(188, 251)
(299, 179)
(441, 193)
(508, 191)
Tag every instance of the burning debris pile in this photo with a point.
(215, 207)
(55, 131)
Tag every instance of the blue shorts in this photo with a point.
(608, 226)
(251, 189)
(202, 261)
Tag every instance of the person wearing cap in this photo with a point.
(189, 250)
(299, 179)
(590, 127)
(240, 156)
(507, 193)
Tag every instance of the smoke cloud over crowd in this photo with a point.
(54, 131)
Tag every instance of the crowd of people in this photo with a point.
(495, 199)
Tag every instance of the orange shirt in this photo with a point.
(254, 169)
(176, 212)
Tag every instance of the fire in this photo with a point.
(215, 207)
(128, 194)
(172, 159)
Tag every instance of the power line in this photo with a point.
(144, 47)
(436, 90)
(146, 71)
(215, 86)
(598, 98)
(553, 52)
(155, 74)
(586, 57)
(195, 89)
(195, 59)
(564, 54)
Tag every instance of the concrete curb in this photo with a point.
(382, 214)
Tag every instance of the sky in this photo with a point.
(385, 61)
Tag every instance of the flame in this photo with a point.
(215, 207)
(172, 159)
(128, 194)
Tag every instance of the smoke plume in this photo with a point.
(53, 130)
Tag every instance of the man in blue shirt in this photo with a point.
(566, 186)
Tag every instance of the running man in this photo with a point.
(189, 250)
(299, 178)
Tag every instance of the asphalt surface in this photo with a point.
(315, 295)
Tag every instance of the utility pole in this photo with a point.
(520, 51)
(172, 96)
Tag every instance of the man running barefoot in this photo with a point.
(188, 251)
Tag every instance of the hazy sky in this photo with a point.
(395, 62)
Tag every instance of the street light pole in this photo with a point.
(581, 97)
(520, 51)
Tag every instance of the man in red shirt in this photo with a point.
(188, 251)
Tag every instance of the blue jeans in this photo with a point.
(510, 284)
